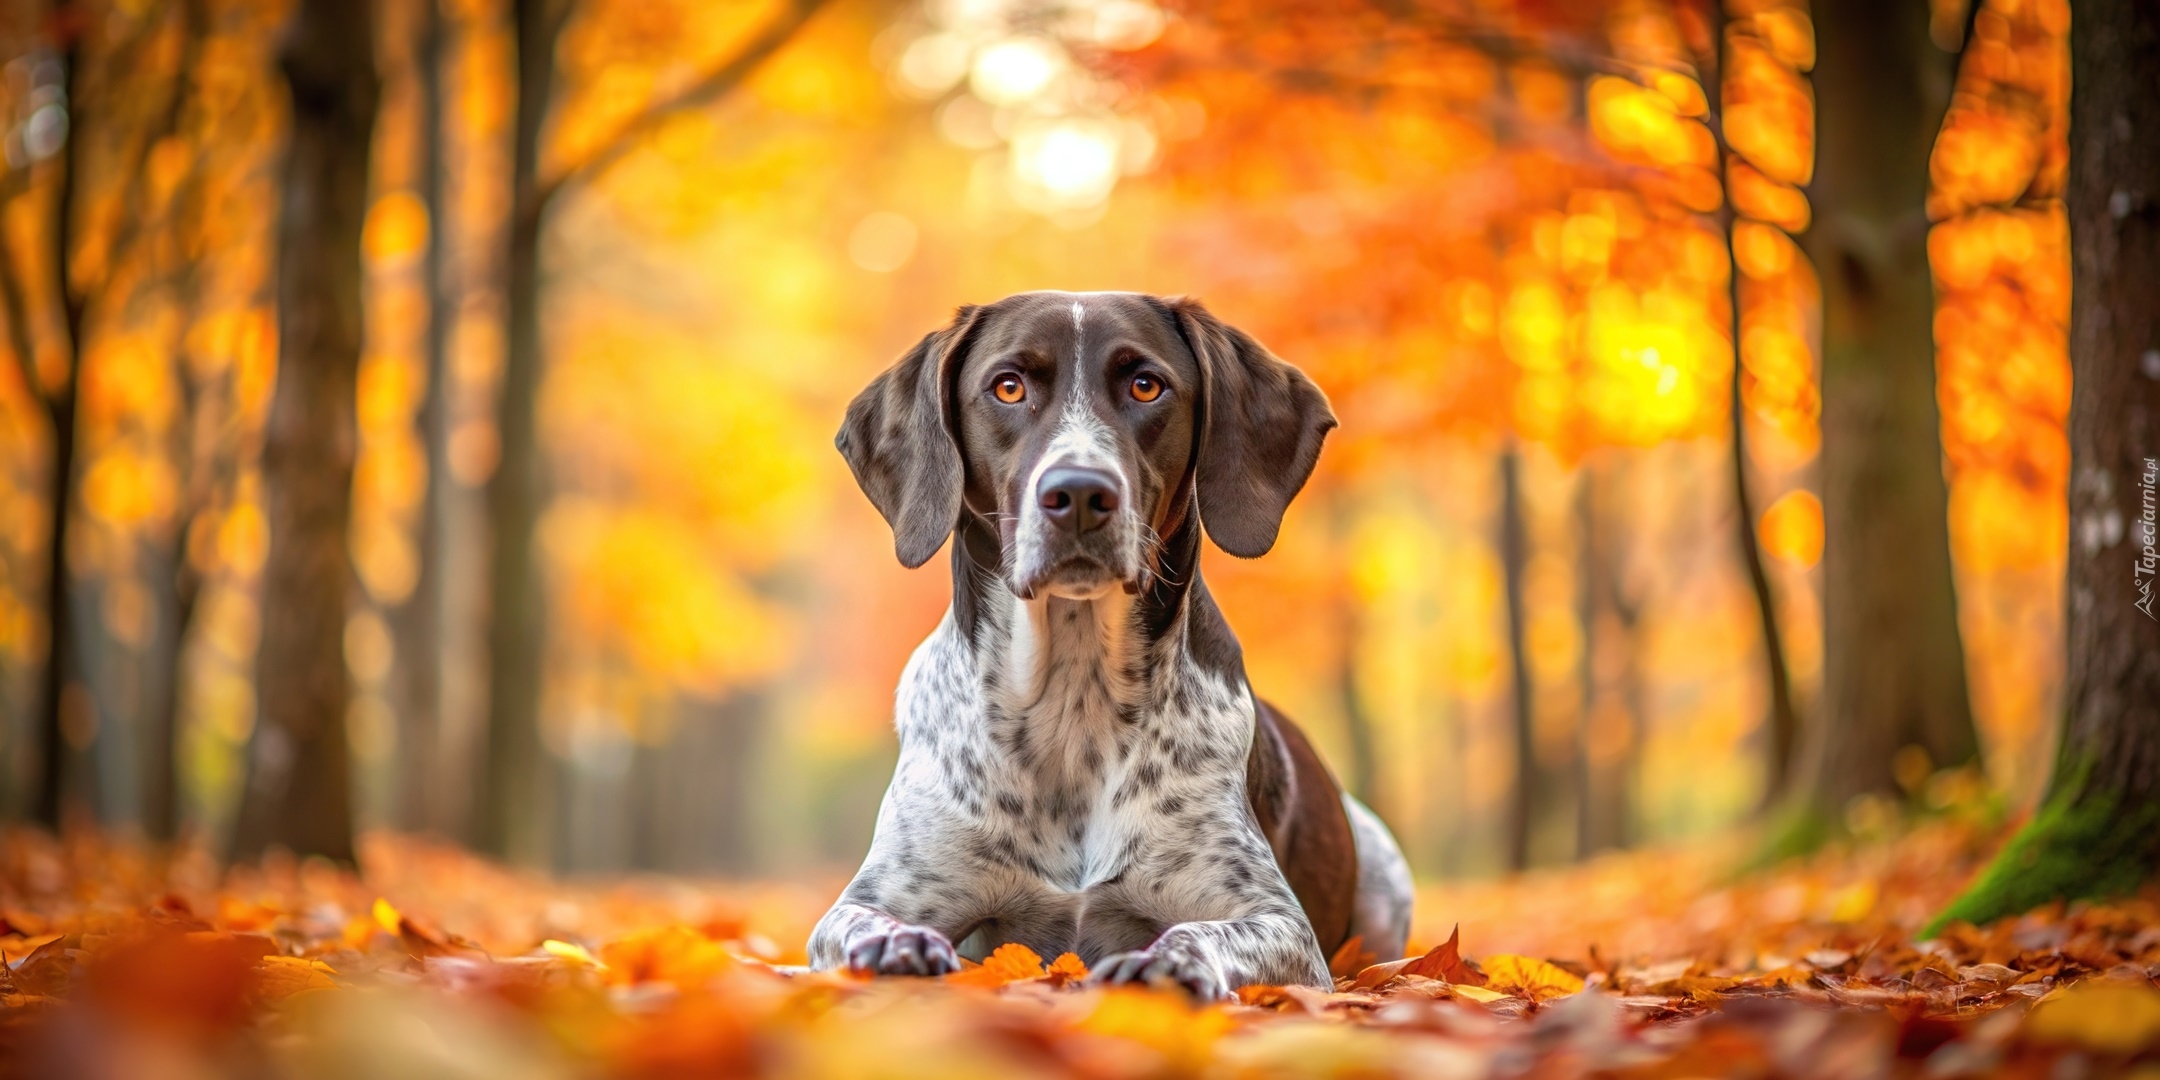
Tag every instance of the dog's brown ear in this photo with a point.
(1261, 425)
(901, 447)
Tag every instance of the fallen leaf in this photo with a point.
(1828, 959)
(2109, 1016)
(1351, 958)
(1525, 976)
(676, 955)
(281, 977)
(418, 938)
(1447, 964)
(386, 916)
(1008, 963)
(572, 952)
(1066, 970)
(1443, 962)
(1854, 902)
(1992, 974)
(1161, 1021)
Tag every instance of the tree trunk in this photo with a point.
(58, 762)
(422, 783)
(1602, 791)
(298, 792)
(1514, 556)
(1363, 780)
(160, 759)
(512, 822)
(1894, 669)
(1363, 774)
(57, 759)
(2097, 831)
(181, 583)
(1626, 772)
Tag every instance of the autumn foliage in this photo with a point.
(1557, 229)
(122, 961)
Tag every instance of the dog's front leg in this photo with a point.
(863, 939)
(907, 904)
(1232, 924)
(1212, 959)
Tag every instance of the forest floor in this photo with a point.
(430, 962)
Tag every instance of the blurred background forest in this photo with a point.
(614, 603)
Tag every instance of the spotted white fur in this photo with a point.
(1058, 790)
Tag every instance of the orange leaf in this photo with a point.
(1351, 958)
(192, 984)
(1444, 962)
(1447, 964)
(281, 977)
(1066, 970)
(1011, 962)
(669, 954)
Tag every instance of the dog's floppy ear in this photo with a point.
(1261, 425)
(902, 448)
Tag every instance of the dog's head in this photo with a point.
(1082, 425)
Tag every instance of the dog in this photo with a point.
(1083, 766)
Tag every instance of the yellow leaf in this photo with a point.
(2105, 1015)
(386, 916)
(1854, 902)
(571, 952)
(1478, 994)
(1528, 977)
(1159, 1020)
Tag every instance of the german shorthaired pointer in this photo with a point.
(1082, 764)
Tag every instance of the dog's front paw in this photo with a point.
(903, 950)
(1163, 964)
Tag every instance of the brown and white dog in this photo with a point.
(1082, 764)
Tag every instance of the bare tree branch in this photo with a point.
(714, 85)
(121, 246)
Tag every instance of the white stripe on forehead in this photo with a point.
(1081, 438)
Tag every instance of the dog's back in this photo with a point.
(1343, 865)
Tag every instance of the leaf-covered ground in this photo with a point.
(432, 963)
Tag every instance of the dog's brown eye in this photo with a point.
(1010, 389)
(1146, 388)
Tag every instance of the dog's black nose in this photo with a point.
(1078, 499)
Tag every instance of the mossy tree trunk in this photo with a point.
(1894, 668)
(298, 792)
(2098, 828)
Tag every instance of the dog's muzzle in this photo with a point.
(1077, 539)
(1077, 500)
